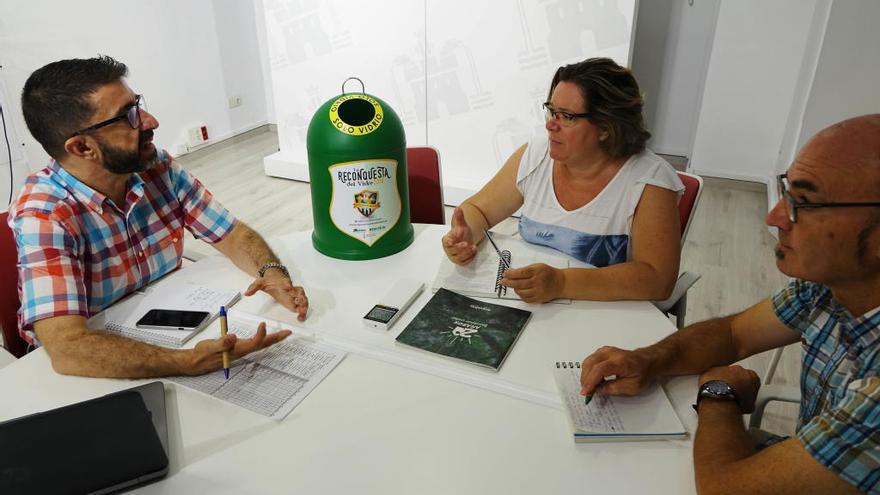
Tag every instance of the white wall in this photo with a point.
(187, 58)
(671, 51)
(847, 76)
(265, 66)
(756, 59)
(466, 77)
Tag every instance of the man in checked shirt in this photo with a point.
(106, 218)
(828, 218)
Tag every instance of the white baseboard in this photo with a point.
(220, 138)
(285, 166)
(727, 175)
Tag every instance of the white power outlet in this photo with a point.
(234, 101)
(197, 135)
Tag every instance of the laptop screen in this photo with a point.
(98, 446)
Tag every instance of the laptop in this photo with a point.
(102, 445)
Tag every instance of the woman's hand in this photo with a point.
(459, 243)
(537, 283)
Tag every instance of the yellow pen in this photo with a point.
(223, 330)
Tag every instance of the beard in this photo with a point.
(780, 255)
(123, 161)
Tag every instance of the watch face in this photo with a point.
(717, 387)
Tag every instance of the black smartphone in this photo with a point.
(173, 319)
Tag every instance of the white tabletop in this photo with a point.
(378, 424)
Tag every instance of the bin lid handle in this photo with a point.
(356, 79)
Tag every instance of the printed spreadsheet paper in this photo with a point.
(273, 381)
(648, 416)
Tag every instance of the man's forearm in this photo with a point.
(99, 354)
(694, 349)
(721, 439)
(247, 249)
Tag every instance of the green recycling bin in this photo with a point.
(357, 168)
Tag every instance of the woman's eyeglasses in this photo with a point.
(567, 119)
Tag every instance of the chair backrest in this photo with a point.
(425, 186)
(9, 302)
(693, 188)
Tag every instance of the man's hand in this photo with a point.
(208, 354)
(536, 283)
(630, 369)
(458, 243)
(282, 289)
(745, 383)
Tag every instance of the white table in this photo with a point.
(377, 427)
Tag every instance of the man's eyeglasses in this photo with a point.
(792, 205)
(567, 119)
(132, 115)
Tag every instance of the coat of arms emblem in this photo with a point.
(366, 202)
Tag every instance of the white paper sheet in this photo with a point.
(271, 382)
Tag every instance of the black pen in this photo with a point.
(503, 260)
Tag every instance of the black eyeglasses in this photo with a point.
(567, 119)
(132, 114)
(792, 205)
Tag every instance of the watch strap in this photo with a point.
(273, 264)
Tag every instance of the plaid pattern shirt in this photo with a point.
(78, 252)
(839, 421)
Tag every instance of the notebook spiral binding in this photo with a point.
(133, 334)
(568, 365)
(505, 259)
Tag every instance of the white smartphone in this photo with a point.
(173, 319)
(393, 303)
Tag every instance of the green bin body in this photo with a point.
(357, 168)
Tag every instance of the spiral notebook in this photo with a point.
(482, 276)
(648, 416)
(121, 318)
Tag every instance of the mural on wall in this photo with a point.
(569, 22)
(468, 84)
(408, 81)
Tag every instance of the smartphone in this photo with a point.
(173, 319)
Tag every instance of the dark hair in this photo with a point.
(614, 103)
(55, 98)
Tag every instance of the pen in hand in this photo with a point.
(223, 330)
(504, 262)
(589, 397)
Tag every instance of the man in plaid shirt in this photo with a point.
(828, 218)
(106, 217)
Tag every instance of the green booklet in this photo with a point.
(463, 328)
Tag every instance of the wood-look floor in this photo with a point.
(728, 243)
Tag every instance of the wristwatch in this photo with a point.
(273, 264)
(716, 389)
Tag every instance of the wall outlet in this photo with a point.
(196, 135)
(234, 101)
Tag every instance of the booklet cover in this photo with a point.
(463, 328)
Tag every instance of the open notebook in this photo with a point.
(648, 416)
(122, 316)
(482, 276)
